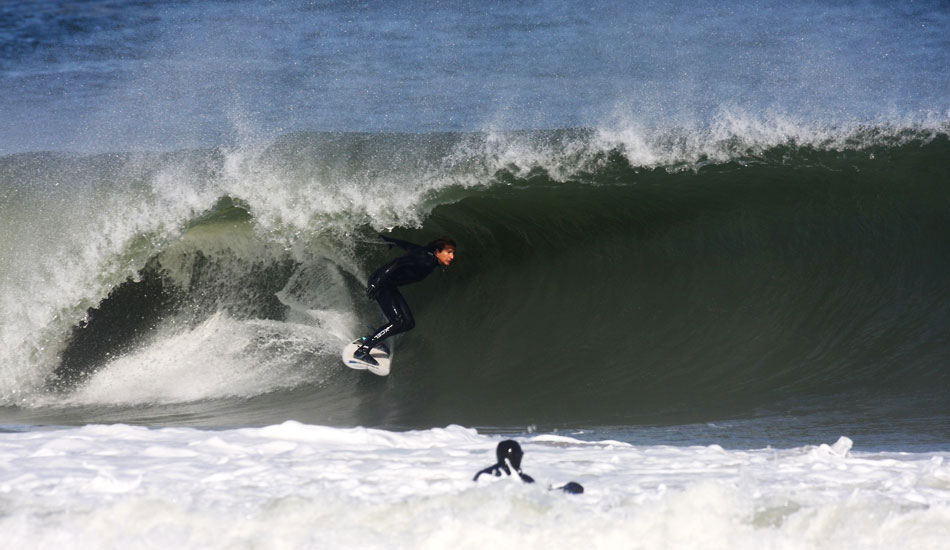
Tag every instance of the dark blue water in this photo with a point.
(109, 75)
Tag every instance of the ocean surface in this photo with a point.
(703, 269)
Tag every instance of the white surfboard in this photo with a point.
(380, 353)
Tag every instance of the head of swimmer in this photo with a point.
(444, 249)
(509, 450)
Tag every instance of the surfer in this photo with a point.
(383, 283)
(509, 455)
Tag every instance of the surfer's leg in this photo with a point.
(404, 320)
(397, 312)
(384, 299)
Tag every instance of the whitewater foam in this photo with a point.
(66, 263)
(295, 485)
(221, 357)
(736, 135)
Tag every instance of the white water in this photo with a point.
(300, 486)
(219, 358)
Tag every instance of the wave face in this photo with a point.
(602, 277)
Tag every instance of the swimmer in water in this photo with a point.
(509, 455)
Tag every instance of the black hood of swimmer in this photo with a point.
(507, 452)
(511, 451)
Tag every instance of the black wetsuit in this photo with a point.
(411, 268)
(508, 453)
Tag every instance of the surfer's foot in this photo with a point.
(362, 354)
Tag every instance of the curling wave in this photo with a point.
(601, 275)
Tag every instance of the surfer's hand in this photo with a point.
(371, 291)
(389, 240)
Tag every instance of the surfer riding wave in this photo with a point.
(384, 282)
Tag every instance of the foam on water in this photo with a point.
(221, 357)
(303, 486)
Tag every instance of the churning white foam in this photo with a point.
(221, 357)
(300, 486)
(734, 134)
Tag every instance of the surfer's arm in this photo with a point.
(491, 470)
(496, 470)
(405, 245)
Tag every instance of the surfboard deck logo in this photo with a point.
(380, 353)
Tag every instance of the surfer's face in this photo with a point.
(446, 255)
